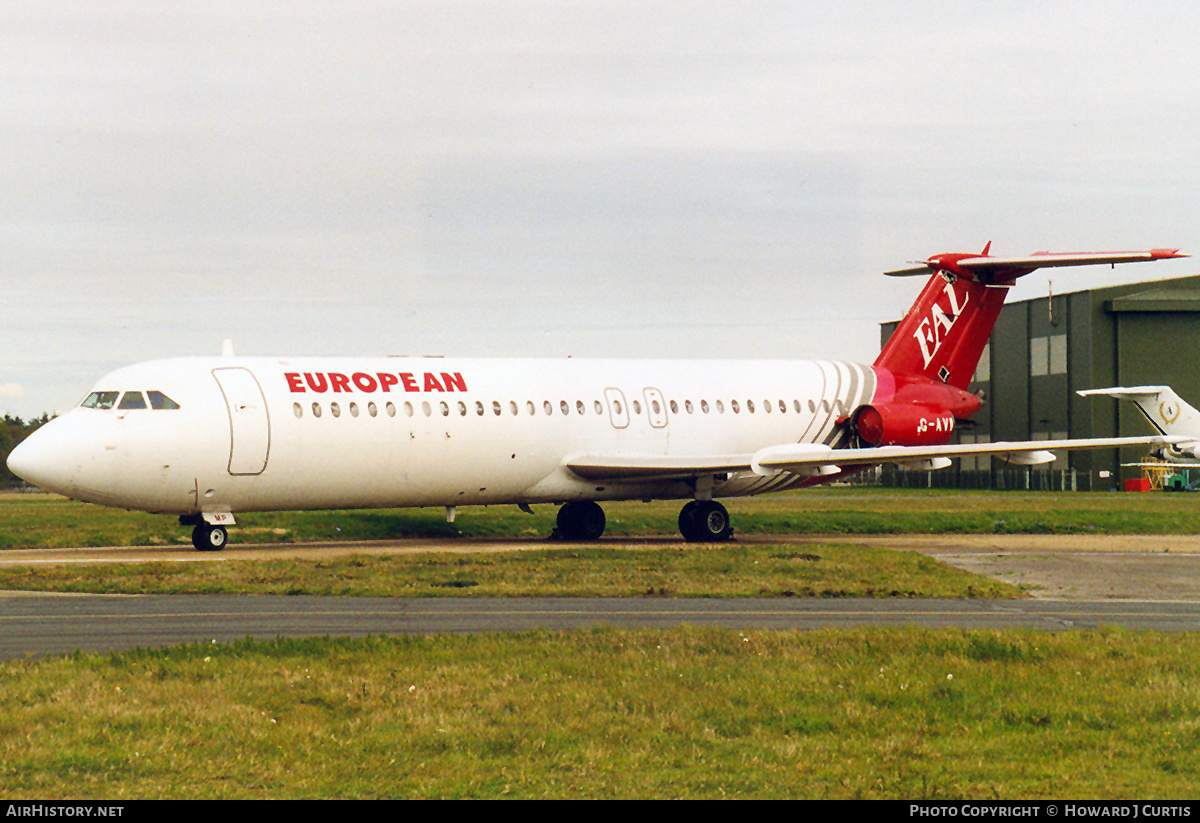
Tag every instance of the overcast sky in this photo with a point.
(677, 179)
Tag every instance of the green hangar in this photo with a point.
(1043, 351)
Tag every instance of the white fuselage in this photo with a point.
(262, 434)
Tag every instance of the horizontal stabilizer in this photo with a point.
(915, 270)
(1122, 393)
(987, 269)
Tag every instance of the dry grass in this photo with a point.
(678, 570)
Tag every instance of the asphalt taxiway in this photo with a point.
(40, 624)
(1076, 583)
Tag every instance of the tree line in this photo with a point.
(12, 431)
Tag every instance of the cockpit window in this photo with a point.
(100, 400)
(132, 400)
(158, 400)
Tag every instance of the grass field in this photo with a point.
(895, 714)
(39, 521)
(863, 713)
(613, 570)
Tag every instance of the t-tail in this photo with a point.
(944, 333)
(1167, 412)
(925, 367)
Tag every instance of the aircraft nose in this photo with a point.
(43, 460)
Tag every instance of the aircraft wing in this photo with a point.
(804, 458)
(1165, 465)
(816, 458)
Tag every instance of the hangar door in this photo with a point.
(249, 427)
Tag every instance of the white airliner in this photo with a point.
(206, 438)
(1167, 412)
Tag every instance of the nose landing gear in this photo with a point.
(208, 536)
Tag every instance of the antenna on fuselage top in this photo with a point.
(227, 348)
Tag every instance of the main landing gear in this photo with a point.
(705, 521)
(581, 520)
(701, 521)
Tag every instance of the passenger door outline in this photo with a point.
(249, 422)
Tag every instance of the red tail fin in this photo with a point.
(943, 334)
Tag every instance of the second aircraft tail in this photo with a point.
(1165, 410)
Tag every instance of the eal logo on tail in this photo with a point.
(934, 328)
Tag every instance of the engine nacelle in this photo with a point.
(1189, 450)
(903, 424)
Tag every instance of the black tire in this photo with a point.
(705, 521)
(209, 538)
(581, 520)
(687, 522)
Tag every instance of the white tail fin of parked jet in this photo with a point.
(1168, 413)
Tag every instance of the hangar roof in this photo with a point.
(1156, 300)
